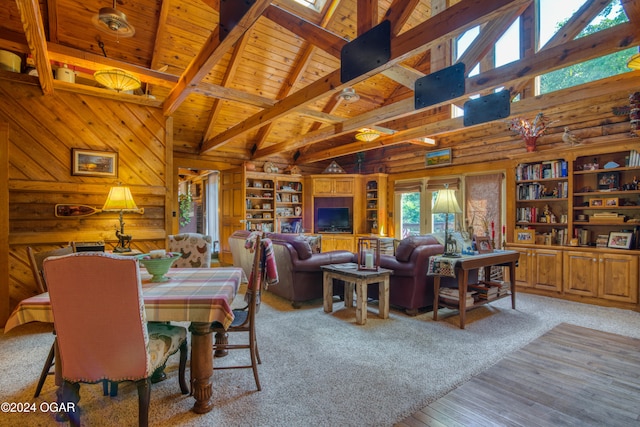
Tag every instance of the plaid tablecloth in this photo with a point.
(192, 294)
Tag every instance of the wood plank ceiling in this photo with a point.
(268, 91)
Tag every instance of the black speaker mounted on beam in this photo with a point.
(487, 108)
(440, 86)
(369, 51)
(231, 12)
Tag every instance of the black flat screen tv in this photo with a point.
(333, 220)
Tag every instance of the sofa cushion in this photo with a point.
(407, 245)
(299, 244)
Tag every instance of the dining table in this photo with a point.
(201, 296)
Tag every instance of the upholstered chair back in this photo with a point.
(99, 316)
(195, 248)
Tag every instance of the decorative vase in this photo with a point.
(530, 142)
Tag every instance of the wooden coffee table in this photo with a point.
(349, 273)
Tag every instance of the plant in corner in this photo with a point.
(529, 130)
(184, 205)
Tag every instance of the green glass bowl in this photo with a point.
(158, 267)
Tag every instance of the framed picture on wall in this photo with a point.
(438, 158)
(94, 163)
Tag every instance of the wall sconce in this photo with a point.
(120, 200)
(368, 253)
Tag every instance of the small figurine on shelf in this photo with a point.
(547, 214)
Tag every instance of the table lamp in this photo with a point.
(447, 203)
(120, 200)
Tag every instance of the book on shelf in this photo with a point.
(452, 296)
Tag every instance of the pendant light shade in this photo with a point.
(367, 135)
(117, 79)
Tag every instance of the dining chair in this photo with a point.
(36, 259)
(245, 318)
(195, 248)
(101, 327)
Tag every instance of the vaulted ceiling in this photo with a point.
(269, 89)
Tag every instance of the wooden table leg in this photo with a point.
(327, 292)
(462, 304)
(436, 296)
(383, 298)
(348, 293)
(361, 302)
(201, 366)
(512, 279)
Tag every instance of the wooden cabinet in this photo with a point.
(610, 276)
(334, 242)
(376, 204)
(333, 186)
(539, 268)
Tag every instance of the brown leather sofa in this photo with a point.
(298, 267)
(409, 286)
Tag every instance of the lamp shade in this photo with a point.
(117, 79)
(446, 202)
(120, 199)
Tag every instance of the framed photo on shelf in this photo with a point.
(596, 203)
(94, 163)
(266, 206)
(525, 235)
(266, 215)
(257, 184)
(620, 239)
(483, 244)
(295, 198)
(608, 180)
(611, 202)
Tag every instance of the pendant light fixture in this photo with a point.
(117, 80)
(367, 135)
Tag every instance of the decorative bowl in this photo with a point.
(158, 267)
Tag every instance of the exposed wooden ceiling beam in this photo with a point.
(399, 13)
(578, 50)
(406, 45)
(632, 9)
(212, 51)
(312, 33)
(37, 41)
(367, 11)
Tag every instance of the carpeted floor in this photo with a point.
(319, 369)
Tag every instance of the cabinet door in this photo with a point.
(322, 186)
(618, 277)
(334, 243)
(547, 269)
(344, 186)
(522, 270)
(581, 273)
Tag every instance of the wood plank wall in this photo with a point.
(42, 130)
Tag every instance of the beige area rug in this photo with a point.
(318, 369)
(570, 376)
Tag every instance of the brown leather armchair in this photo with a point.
(298, 267)
(410, 288)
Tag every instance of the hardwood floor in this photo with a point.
(571, 376)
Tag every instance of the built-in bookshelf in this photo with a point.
(259, 196)
(542, 194)
(289, 208)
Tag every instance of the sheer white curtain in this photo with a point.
(211, 210)
(484, 205)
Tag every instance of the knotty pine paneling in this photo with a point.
(42, 132)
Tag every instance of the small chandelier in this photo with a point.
(634, 62)
(117, 79)
(367, 135)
